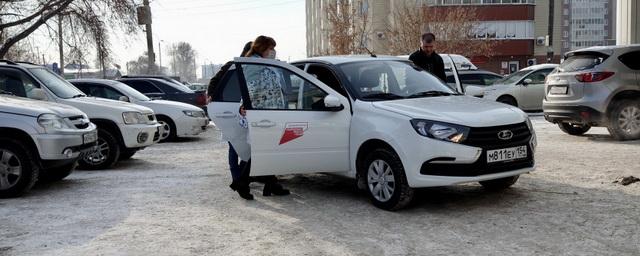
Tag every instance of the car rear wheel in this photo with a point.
(624, 120)
(167, 129)
(386, 180)
(499, 184)
(574, 129)
(105, 156)
(18, 171)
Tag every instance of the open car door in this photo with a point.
(296, 123)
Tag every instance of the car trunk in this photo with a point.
(567, 82)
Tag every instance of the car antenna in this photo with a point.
(370, 53)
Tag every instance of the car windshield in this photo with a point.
(56, 84)
(130, 91)
(513, 78)
(390, 79)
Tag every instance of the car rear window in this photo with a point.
(582, 61)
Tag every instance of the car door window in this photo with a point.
(16, 82)
(489, 79)
(539, 76)
(110, 93)
(631, 60)
(473, 79)
(229, 89)
(142, 86)
(276, 88)
(327, 77)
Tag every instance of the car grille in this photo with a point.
(79, 122)
(487, 137)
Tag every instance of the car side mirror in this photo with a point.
(38, 94)
(332, 103)
(124, 98)
(527, 81)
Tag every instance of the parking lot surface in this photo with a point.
(174, 199)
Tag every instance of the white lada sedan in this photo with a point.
(382, 121)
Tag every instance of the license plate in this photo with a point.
(506, 154)
(559, 90)
(89, 137)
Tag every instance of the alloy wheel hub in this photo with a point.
(380, 180)
(629, 120)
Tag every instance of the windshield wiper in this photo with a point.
(78, 96)
(6, 92)
(382, 95)
(430, 94)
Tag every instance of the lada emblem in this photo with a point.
(505, 135)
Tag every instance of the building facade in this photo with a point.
(587, 23)
(526, 32)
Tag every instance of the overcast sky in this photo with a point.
(217, 29)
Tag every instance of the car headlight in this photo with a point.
(132, 117)
(193, 113)
(51, 122)
(441, 131)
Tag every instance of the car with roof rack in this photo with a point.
(123, 128)
(39, 141)
(388, 124)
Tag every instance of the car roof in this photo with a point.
(92, 80)
(475, 71)
(606, 49)
(541, 66)
(341, 59)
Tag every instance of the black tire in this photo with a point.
(170, 125)
(574, 129)
(616, 126)
(127, 154)
(499, 184)
(58, 173)
(16, 184)
(402, 194)
(508, 100)
(110, 148)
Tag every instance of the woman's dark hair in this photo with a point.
(246, 49)
(261, 44)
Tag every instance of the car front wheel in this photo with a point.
(574, 129)
(18, 171)
(386, 180)
(105, 156)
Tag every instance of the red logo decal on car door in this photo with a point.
(293, 131)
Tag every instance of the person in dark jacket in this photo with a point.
(427, 58)
(234, 167)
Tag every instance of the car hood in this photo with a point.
(461, 110)
(29, 107)
(107, 103)
(169, 103)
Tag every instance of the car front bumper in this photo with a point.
(66, 145)
(188, 126)
(139, 135)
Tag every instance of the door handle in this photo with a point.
(226, 114)
(263, 124)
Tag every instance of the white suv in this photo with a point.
(382, 121)
(123, 128)
(39, 141)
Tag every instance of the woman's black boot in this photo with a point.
(274, 188)
(243, 190)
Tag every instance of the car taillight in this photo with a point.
(201, 99)
(593, 76)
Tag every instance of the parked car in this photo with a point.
(177, 119)
(170, 79)
(473, 81)
(382, 121)
(597, 86)
(123, 128)
(523, 89)
(160, 89)
(38, 140)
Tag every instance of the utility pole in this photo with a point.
(147, 22)
(60, 46)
